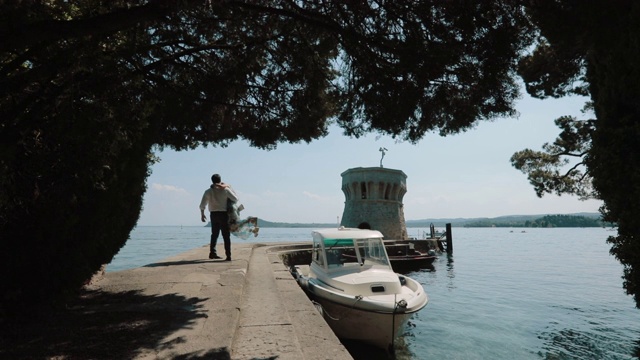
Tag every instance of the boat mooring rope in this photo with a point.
(324, 311)
(393, 324)
(401, 303)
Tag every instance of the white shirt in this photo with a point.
(216, 198)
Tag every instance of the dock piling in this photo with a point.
(449, 238)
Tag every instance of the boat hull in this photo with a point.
(352, 323)
(407, 263)
(370, 319)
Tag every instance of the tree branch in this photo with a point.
(567, 153)
(568, 173)
(29, 34)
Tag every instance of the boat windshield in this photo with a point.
(372, 251)
(349, 252)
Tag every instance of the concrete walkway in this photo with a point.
(247, 308)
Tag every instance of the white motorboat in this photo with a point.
(351, 280)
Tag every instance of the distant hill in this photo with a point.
(269, 224)
(546, 221)
(593, 219)
(502, 221)
(508, 220)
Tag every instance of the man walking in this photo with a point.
(215, 197)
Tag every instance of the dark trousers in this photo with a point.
(220, 223)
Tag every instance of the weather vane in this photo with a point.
(382, 150)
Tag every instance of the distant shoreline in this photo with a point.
(541, 220)
(562, 220)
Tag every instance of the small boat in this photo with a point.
(405, 258)
(352, 283)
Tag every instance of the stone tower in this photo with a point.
(373, 199)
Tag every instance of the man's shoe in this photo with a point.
(214, 256)
(227, 259)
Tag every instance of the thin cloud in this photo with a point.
(274, 194)
(168, 188)
(312, 196)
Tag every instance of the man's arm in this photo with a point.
(230, 193)
(203, 204)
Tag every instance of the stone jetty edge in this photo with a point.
(247, 308)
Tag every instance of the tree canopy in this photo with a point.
(591, 48)
(88, 90)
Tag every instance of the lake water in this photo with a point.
(505, 293)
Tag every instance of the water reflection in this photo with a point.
(409, 271)
(586, 344)
(451, 274)
(362, 351)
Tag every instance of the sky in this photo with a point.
(467, 175)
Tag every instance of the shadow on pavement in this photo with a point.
(104, 325)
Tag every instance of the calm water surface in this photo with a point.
(506, 293)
